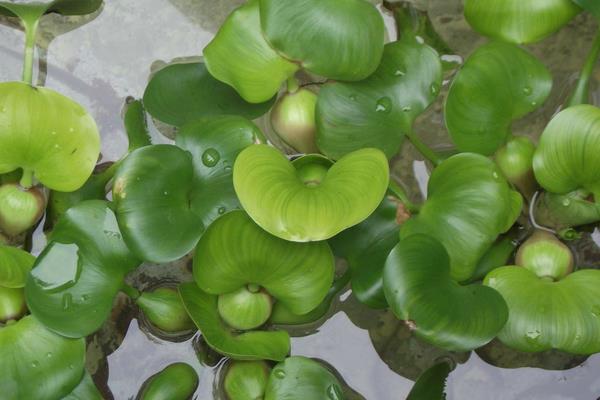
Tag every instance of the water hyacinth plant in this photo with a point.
(279, 192)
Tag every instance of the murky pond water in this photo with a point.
(108, 58)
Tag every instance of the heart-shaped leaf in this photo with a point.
(498, 84)
(165, 195)
(338, 40)
(38, 364)
(300, 378)
(235, 252)
(76, 278)
(379, 110)
(15, 264)
(567, 156)
(47, 134)
(251, 345)
(419, 289)
(185, 92)
(469, 204)
(176, 381)
(240, 56)
(546, 314)
(519, 21)
(366, 246)
(308, 199)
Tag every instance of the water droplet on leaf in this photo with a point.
(353, 97)
(435, 88)
(566, 202)
(222, 210)
(67, 301)
(49, 354)
(384, 105)
(35, 364)
(407, 109)
(399, 72)
(210, 157)
(527, 91)
(280, 374)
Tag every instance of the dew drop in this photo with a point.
(334, 392)
(49, 354)
(166, 193)
(527, 91)
(399, 72)
(534, 104)
(228, 169)
(71, 366)
(435, 88)
(210, 157)
(596, 311)
(85, 297)
(35, 364)
(280, 374)
(353, 97)
(71, 130)
(53, 133)
(222, 210)
(532, 336)
(384, 105)
(407, 109)
(57, 146)
(495, 175)
(566, 202)
(67, 301)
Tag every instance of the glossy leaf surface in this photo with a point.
(567, 156)
(177, 381)
(48, 134)
(562, 211)
(251, 345)
(165, 195)
(498, 84)
(86, 390)
(38, 364)
(240, 56)
(545, 314)
(366, 247)
(519, 21)
(377, 111)
(469, 204)
(185, 92)
(337, 40)
(246, 380)
(163, 308)
(431, 385)
(419, 289)
(300, 378)
(15, 264)
(75, 279)
(307, 200)
(235, 252)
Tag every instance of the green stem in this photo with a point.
(581, 94)
(292, 84)
(26, 179)
(399, 192)
(30, 35)
(132, 292)
(423, 148)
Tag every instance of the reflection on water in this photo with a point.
(108, 59)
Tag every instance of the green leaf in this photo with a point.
(163, 308)
(300, 378)
(165, 195)
(469, 204)
(86, 390)
(546, 314)
(377, 111)
(136, 126)
(15, 264)
(240, 56)
(38, 364)
(76, 278)
(518, 21)
(176, 381)
(185, 92)
(337, 40)
(235, 252)
(419, 289)
(498, 84)
(567, 156)
(431, 385)
(308, 200)
(563, 211)
(44, 132)
(591, 6)
(251, 345)
(366, 246)
(64, 7)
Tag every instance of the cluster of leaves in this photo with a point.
(263, 228)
